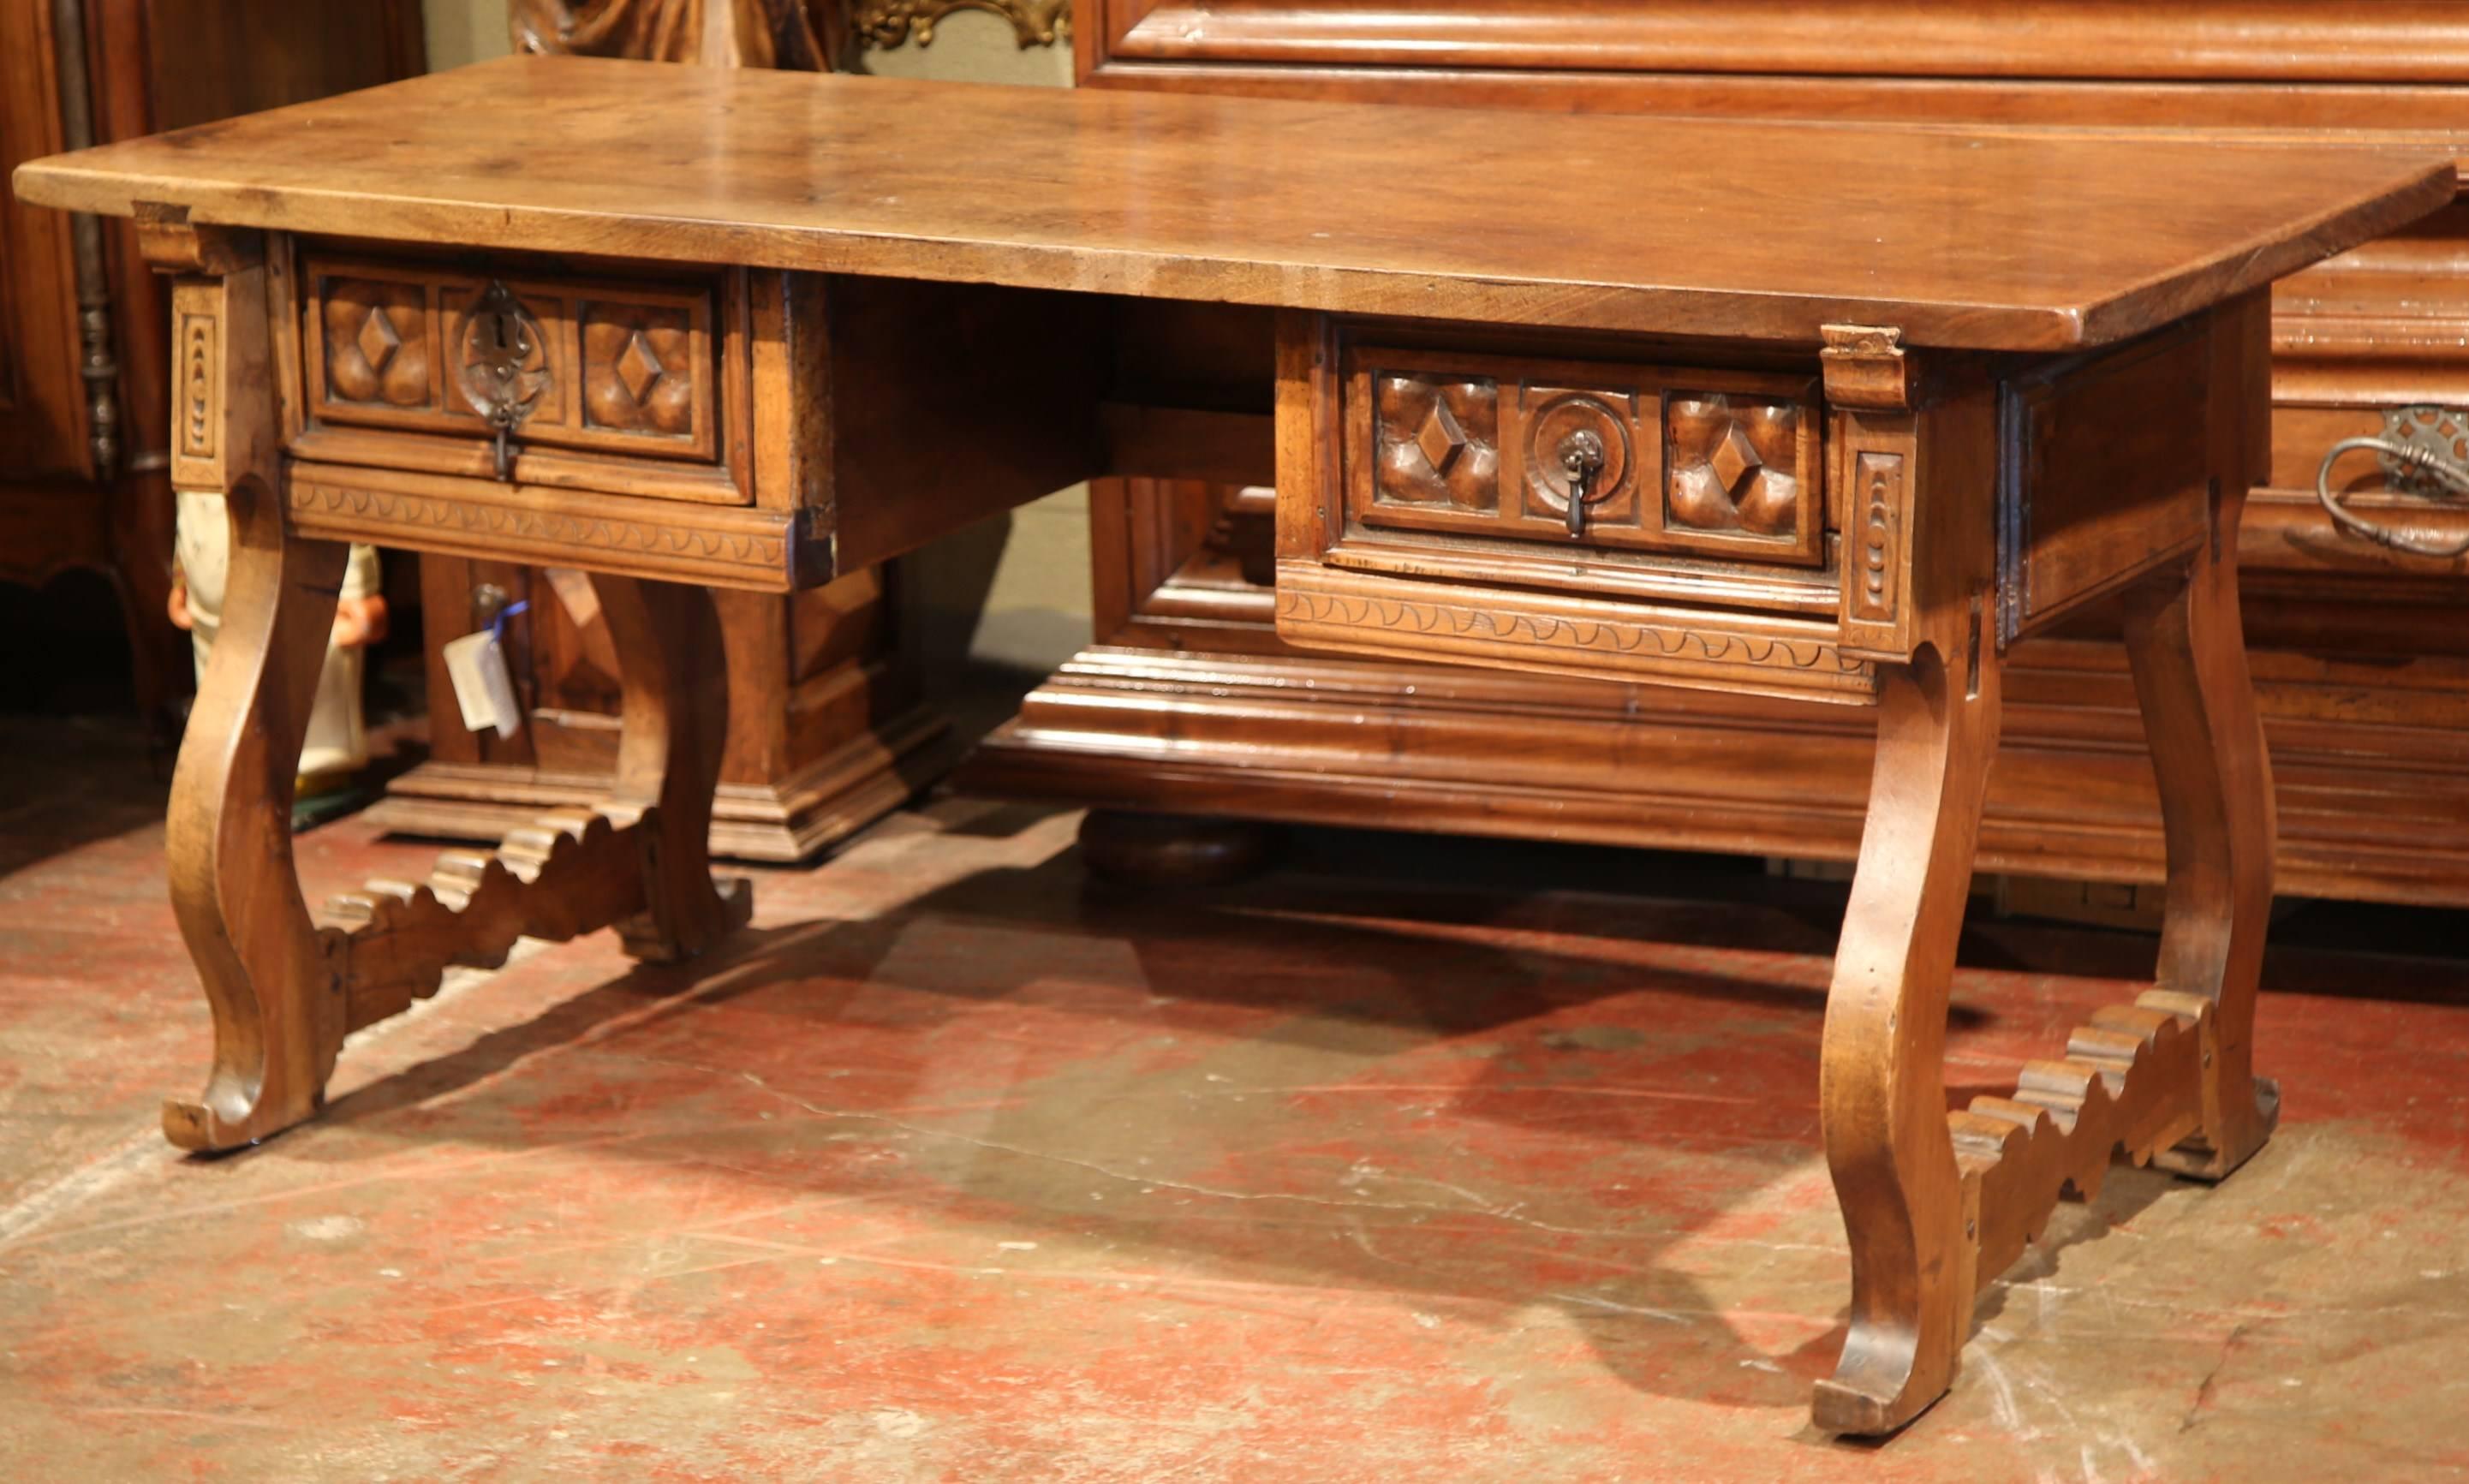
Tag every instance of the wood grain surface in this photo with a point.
(2006, 240)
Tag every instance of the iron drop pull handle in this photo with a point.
(1581, 458)
(499, 348)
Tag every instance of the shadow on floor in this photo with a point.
(1689, 1022)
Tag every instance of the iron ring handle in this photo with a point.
(2442, 470)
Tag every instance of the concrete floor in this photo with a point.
(1412, 1161)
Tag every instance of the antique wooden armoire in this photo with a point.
(1187, 704)
(83, 361)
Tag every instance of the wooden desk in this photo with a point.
(1843, 412)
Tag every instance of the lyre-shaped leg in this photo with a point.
(264, 966)
(1881, 1084)
(2218, 813)
(1937, 1204)
(676, 720)
(283, 991)
(268, 972)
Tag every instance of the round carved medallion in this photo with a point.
(1557, 424)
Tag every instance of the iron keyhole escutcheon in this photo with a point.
(501, 341)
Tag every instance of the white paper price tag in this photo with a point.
(476, 665)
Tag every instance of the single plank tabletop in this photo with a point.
(1992, 240)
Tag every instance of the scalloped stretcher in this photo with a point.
(2130, 1086)
(564, 874)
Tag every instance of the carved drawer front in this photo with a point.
(1423, 495)
(580, 365)
(1713, 462)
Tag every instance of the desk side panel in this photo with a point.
(951, 402)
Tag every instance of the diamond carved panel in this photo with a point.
(640, 368)
(637, 367)
(379, 339)
(1437, 440)
(1732, 460)
(376, 342)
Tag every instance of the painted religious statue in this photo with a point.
(338, 736)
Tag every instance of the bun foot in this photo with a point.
(1173, 849)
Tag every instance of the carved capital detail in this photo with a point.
(1865, 367)
(888, 23)
(170, 245)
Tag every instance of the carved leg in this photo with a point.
(1880, 1085)
(283, 992)
(675, 718)
(264, 966)
(2168, 1079)
(268, 974)
(1933, 1215)
(2219, 816)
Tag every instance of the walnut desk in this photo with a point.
(1828, 413)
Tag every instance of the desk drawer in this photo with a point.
(1443, 458)
(1711, 461)
(613, 384)
(1423, 506)
(754, 428)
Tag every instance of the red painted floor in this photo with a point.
(1407, 1162)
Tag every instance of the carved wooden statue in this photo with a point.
(800, 35)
